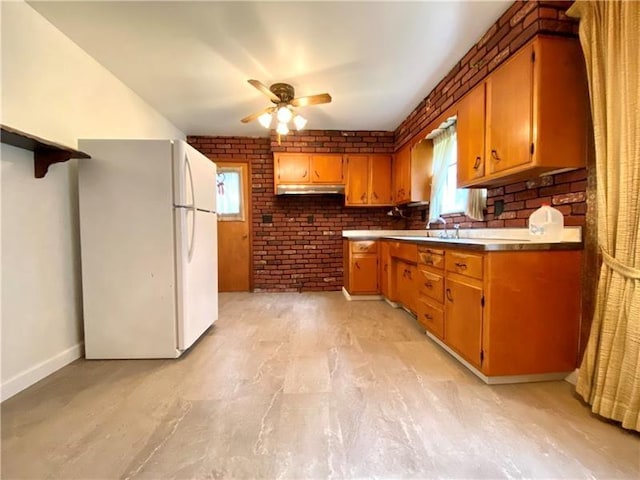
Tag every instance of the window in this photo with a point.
(230, 194)
(446, 197)
(454, 199)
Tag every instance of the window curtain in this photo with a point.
(609, 377)
(444, 152)
(476, 203)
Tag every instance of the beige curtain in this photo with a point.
(476, 203)
(609, 377)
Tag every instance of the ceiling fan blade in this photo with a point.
(264, 89)
(311, 100)
(253, 116)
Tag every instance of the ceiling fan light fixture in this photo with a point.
(265, 119)
(284, 114)
(299, 122)
(282, 128)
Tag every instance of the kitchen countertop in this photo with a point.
(496, 239)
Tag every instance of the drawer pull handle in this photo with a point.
(449, 296)
(428, 261)
(428, 317)
(494, 155)
(304, 174)
(363, 197)
(317, 174)
(428, 285)
(476, 165)
(357, 265)
(461, 266)
(385, 267)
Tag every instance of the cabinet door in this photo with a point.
(292, 168)
(385, 269)
(402, 175)
(357, 180)
(470, 135)
(380, 186)
(509, 113)
(364, 273)
(326, 169)
(463, 319)
(406, 285)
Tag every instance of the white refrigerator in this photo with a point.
(148, 238)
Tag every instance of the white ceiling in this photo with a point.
(191, 60)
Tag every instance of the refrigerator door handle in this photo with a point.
(188, 169)
(193, 234)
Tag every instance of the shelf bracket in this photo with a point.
(45, 153)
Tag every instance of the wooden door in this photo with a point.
(463, 319)
(357, 180)
(380, 192)
(292, 168)
(402, 175)
(327, 169)
(470, 134)
(364, 273)
(234, 227)
(509, 113)
(385, 269)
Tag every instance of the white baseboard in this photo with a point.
(572, 378)
(36, 373)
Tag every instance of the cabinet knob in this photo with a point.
(476, 165)
(494, 155)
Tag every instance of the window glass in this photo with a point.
(230, 194)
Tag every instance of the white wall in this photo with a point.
(53, 89)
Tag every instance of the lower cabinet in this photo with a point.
(361, 267)
(463, 313)
(506, 313)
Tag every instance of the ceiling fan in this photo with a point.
(283, 96)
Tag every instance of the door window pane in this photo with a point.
(230, 194)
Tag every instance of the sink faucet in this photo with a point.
(439, 219)
(456, 230)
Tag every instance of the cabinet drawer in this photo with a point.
(405, 251)
(431, 317)
(431, 285)
(468, 264)
(364, 246)
(431, 257)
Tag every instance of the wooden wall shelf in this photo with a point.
(45, 153)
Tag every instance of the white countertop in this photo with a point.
(477, 239)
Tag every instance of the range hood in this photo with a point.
(310, 189)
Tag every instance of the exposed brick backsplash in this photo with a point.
(291, 254)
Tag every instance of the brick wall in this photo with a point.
(294, 252)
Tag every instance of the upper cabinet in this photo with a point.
(527, 118)
(470, 136)
(305, 168)
(412, 172)
(368, 180)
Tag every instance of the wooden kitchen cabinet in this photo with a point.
(291, 168)
(361, 267)
(412, 172)
(505, 313)
(385, 269)
(403, 257)
(368, 180)
(306, 168)
(470, 136)
(463, 314)
(536, 116)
